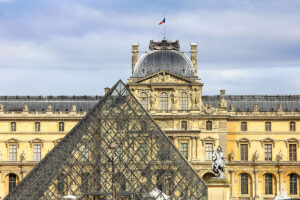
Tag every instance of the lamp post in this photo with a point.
(112, 147)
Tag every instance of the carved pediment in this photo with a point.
(209, 139)
(267, 140)
(243, 141)
(11, 141)
(292, 140)
(36, 141)
(163, 77)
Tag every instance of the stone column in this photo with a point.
(231, 182)
(192, 148)
(280, 172)
(176, 142)
(255, 185)
(198, 143)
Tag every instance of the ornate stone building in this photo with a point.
(258, 134)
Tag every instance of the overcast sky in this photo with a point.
(78, 47)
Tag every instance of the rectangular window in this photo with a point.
(292, 152)
(293, 184)
(268, 184)
(61, 126)
(244, 152)
(268, 152)
(36, 152)
(37, 126)
(292, 126)
(208, 151)
(243, 126)
(13, 126)
(184, 149)
(244, 183)
(12, 152)
(184, 125)
(268, 126)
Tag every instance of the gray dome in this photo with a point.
(168, 60)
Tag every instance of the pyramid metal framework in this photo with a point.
(143, 165)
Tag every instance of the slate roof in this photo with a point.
(85, 103)
(40, 103)
(264, 102)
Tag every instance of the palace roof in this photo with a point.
(85, 103)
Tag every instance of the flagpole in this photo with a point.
(165, 25)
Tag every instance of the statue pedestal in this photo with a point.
(218, 189)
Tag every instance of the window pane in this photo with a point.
(61, 126)
(268, 126)
(164, 101)
(292, 152)
(184, 101)
(244, 184)
(209, 125)
(208, 151)
(292, 126)
(268, 152)
(37, 126)
(184, 149)
(244, 151)
(13, 152)
(37, 152)
(12, 182)
(184, 125)
(268, 184)
(244, 126)
(293, 184)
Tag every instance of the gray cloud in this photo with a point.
(85, 48)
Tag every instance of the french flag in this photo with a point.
(163, 21)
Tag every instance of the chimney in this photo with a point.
(106, 90)
(222, 92)
(135, 54)
(194, 59)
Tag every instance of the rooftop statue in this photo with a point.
(218, 165)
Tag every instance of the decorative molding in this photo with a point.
(292, 140)
(209, 139)
(36, 141)
(243, 140)
(12, 141)
(268, 140)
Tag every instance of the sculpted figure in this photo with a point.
(0, 156)
(153, 97)
(218, 165)
(231, 155)
(22, 156)
(173, 101)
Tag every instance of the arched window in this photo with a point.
(268, 126)
(268, 184)
(164, 101)
(292, 126)
(61, 126)
(244, 184)
(184, 99)
(293, 184)
(209, 125)
(12, 182)
(184, 125)
(144, 100)
(243, 126)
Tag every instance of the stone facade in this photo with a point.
(258, 134)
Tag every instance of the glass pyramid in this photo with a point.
(116, 151)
